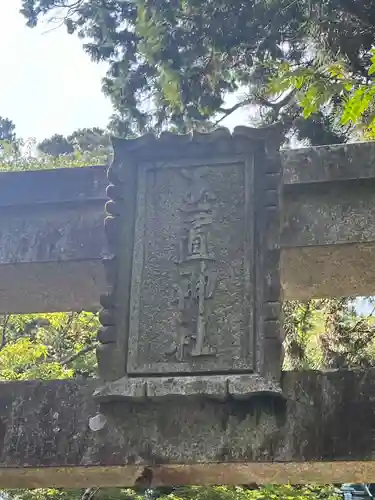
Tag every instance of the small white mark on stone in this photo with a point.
(55, 416)
(98, 422)
(56, 430)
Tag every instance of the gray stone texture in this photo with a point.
(321, 255)
(55, 434)
(52, 240)
(201, 294)
(155, 335)
(211, 386)
(321, 429)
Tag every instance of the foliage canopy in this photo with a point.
(172, 63)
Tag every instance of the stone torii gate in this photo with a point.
(204, 235)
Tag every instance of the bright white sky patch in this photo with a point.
(47, 84)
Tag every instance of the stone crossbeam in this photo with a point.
(52, 238)
(52, 434)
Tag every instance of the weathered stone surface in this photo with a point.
(328, 224)
(52, 240)
(220, 387)
(164, 319)
(329, 214)
(337, 162)
(58, 216)
(197, 265)
(322, 432)
(328, 271)
(51, 286)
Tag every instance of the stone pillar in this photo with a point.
(194, 299)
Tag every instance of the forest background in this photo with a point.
(175, 65)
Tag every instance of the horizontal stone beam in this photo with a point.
(52, 434)
(328, 227)
(52, 238)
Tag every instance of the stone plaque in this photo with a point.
(194, 279)
(191, 295)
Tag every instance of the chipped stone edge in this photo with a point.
(219, 387)
(167, 140)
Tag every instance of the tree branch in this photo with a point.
(228, 111)
(4, 331)
(361, 14)
(89, 493)
(76, 355)
(278, 104)
(71, 9)
(362, 320)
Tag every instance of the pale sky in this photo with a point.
(47, 83)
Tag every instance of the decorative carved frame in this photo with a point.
(260, 146)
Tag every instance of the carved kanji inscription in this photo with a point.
(196, 272)
(191, 284)
(194, 298)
